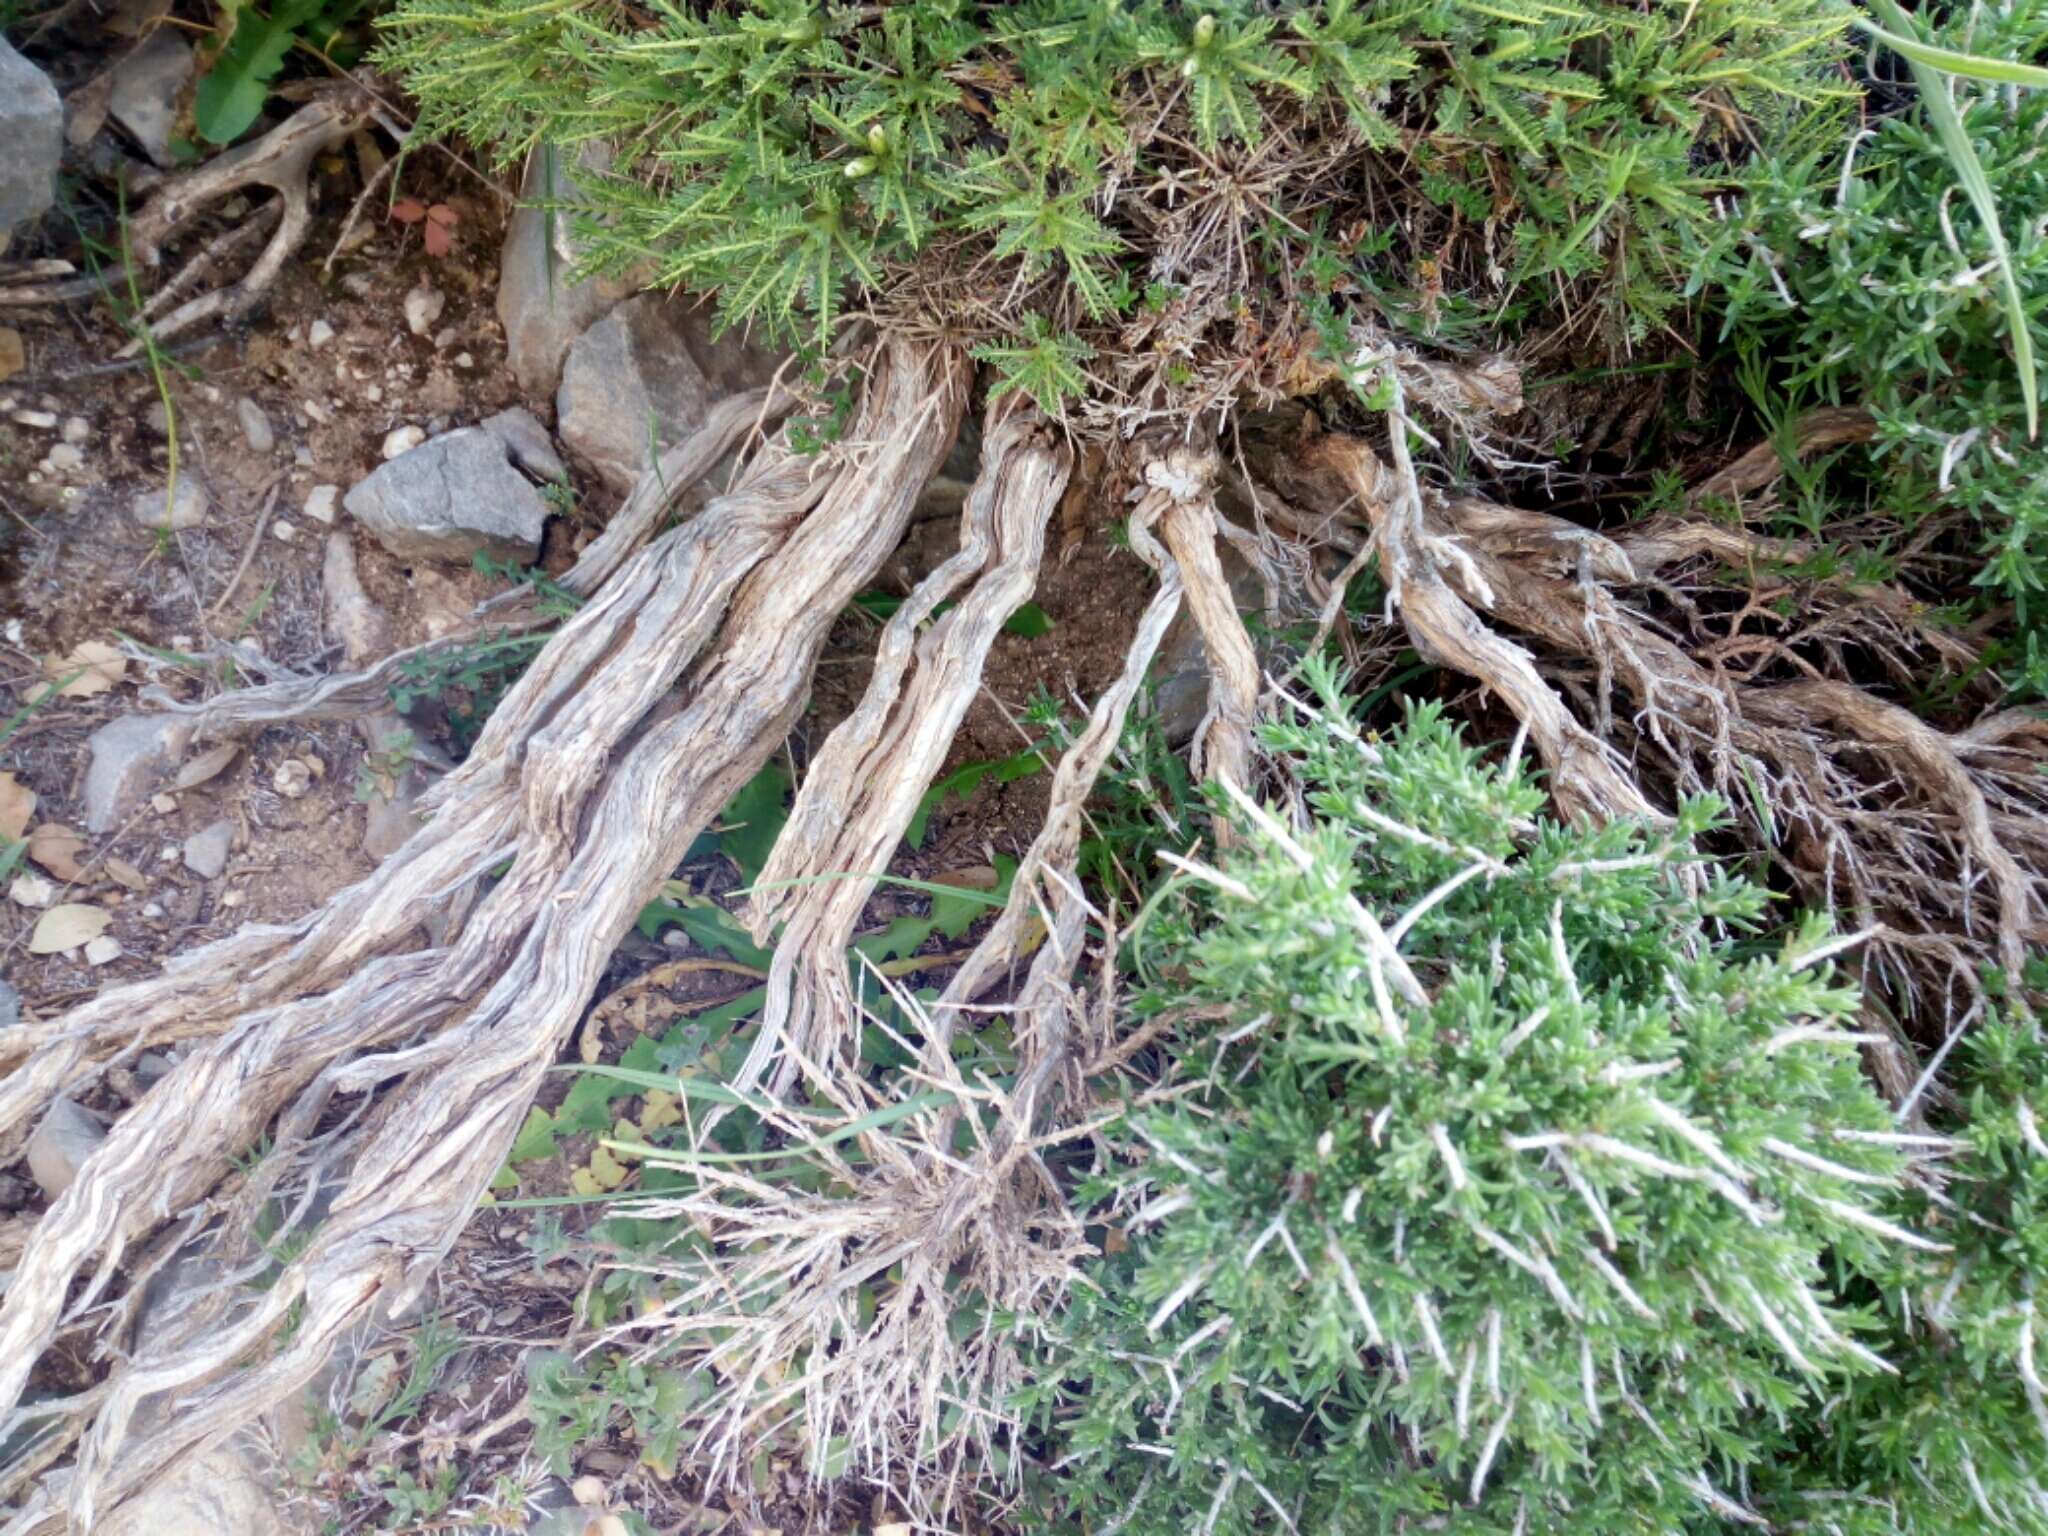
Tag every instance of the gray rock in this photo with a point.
(32, 128)
(185, 506)
(541, 310)
(362, 628)
(206, 852)
(450, 497)
(60, 1146)
(526, 443)
(10, 1006)
(643, 378)
(255, 425)
(147, 85)
(216, 1494)
(128, 757)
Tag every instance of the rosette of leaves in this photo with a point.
(1509, 1186)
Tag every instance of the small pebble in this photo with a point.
(464, 360)
(319, 334)
(321, 502)
(77, 430)
(155, 909)
(374, 393)
(32, 891)
(314, 412)
(402, 440)
(255, 425)
(283, 531)
(41, 420)
(292, 779)
(231, 899)
(65, 457)
(423, 307)
(164, 805)
(185, 507)
(102, 949)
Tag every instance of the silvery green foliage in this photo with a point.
(1538, 1226)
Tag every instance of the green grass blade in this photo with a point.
(1970, 66)
(1955, 140)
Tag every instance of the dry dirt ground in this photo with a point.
(331, 368)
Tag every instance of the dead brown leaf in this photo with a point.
(17, 805)
(56, 847)
(126, 874)
(66, 927)
(92, 668)
(206, 766)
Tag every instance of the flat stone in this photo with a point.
(10, 1006)
(643, 378)
(184, 508)
(128, 758)
(147, 85)
(215, 1494)
(450, 498)
(255, 425)
(61, 1144)
(540, 309)
(32, 128)
(323, 502)
(206, 851)
(526, 443)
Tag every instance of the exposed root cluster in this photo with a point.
(391, 1042)
(592, 778)
(1913, 834)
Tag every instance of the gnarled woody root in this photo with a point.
(774, 1313)
(1905, 830)
(592, 777)
(865, 783)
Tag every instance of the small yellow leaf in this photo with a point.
(92, 667)
(659, 1110)
(584, 1182)
(126, 874)
(17, 805)
(66, 927)
(609, 1172)
(56, 848)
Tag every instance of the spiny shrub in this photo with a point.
(1955, 1437)
(1147, 173)
(1855, 265)
(1513, 1186)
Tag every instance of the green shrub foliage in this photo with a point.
(1856, 270)
(1136, 170)
(1606, 1233)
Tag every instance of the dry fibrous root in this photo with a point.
(864, 785)
(774, 1310)
(1908, 833)
(281, 160)
(633, 726)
